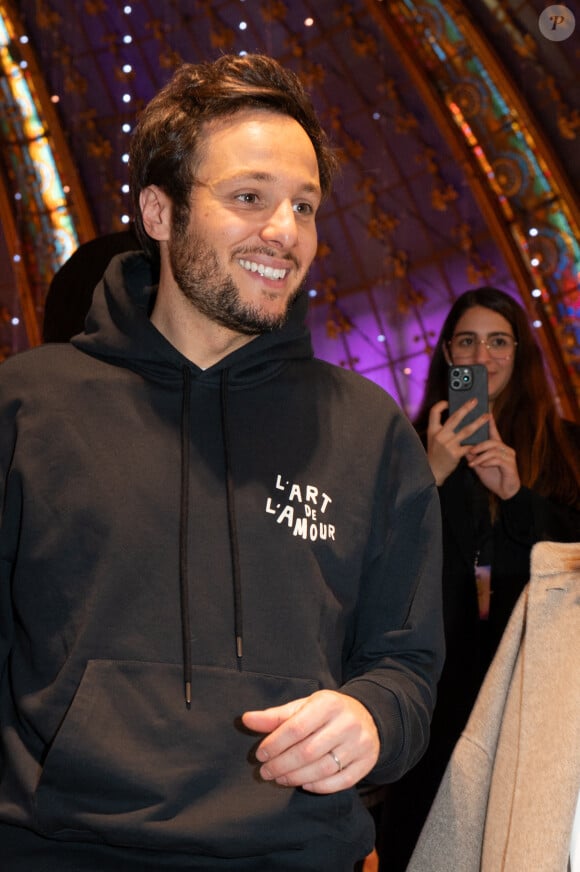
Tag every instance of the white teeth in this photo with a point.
(266, 271)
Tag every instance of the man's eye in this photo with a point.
(304, 208)
(247, 198)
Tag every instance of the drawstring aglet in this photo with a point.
(188, 694)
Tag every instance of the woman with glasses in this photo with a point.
(498, 498)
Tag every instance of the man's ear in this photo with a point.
(155, 208)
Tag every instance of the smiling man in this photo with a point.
(219, 590)
(233, 265)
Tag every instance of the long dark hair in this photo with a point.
(525, 412)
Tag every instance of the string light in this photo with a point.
(308, 22)
(45, 184)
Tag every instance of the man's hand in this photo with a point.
(323, 743)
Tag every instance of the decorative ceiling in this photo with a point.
(459, 124)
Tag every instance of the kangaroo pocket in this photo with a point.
(131, 765)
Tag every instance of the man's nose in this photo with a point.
(280, 228)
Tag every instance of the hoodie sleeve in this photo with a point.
(397, 650)
(8, 520)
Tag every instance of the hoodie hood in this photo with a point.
(118, 329)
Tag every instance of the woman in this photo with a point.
(498, 498)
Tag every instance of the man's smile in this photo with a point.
(266, 271)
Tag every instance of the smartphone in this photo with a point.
(467, 383)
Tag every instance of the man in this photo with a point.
(220, 558)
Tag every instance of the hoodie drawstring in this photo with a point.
(231, 506)
(183, 536)
(184, 530)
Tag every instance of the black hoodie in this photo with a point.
(246, 535)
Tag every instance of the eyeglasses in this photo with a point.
(463, 346)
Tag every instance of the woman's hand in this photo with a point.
(444, 448)
(495, 464)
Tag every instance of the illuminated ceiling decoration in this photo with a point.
(446, 173)
(41, 229)
(513, 172)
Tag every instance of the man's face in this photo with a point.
(251, 236)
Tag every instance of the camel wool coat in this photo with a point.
(507, 800)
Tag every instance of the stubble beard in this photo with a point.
(213, 292)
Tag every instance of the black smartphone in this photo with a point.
(467, 383)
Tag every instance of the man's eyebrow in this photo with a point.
(251, 175)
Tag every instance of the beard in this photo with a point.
(213, 292)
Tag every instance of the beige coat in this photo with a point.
(507, 799)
